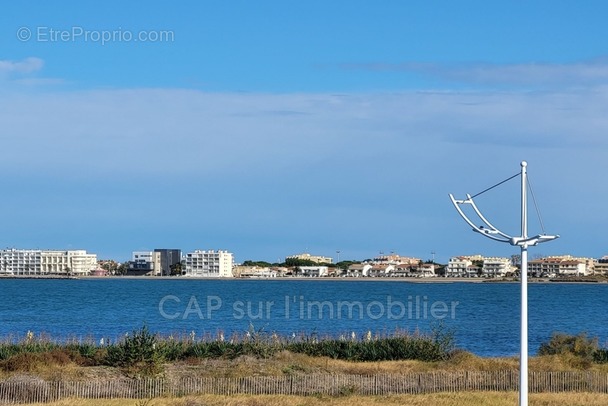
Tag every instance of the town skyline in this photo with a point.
(275, 128)
(331, 259)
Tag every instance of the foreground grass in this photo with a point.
(436, 399)
(286, 363)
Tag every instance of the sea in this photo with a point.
(483, 317)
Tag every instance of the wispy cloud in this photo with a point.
(27, 65)
(281, 128)
(25, 74)
(529, 74)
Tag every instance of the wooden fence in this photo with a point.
(333, 385)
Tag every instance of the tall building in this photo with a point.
(46, 262)
(20, 262)
(214, 264)
(168, 258)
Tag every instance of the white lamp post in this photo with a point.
(523, 241)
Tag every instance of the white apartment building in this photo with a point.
(20, 262)
(464, 266)
(46, 262)
(313, 271)
(214, 264)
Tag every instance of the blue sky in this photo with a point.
(271, 128)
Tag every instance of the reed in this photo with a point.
(142, 353)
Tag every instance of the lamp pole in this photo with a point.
(523, 241)
(523, 344)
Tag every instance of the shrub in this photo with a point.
(561, 344)
(601, 356)
(406, 347)
(137, 354)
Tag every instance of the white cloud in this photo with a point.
(27, 65)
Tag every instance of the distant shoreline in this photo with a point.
(299, 279)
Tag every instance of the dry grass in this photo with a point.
(57, 367)
(437, 399)
(287, 363)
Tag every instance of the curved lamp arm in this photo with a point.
(490, 232)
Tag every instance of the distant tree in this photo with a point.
(122, 269)
(299, 262)
(262, 264)
(177, 269)
(110, 266)
(440, 270)
(346, 264)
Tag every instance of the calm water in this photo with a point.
(484, 317)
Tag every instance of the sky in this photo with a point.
(272, 128)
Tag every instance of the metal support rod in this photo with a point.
(523, 351)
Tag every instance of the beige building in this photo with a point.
(314, 258)
(460, 267)
(76, 262)
(497, 267)
(395, 259)
(601, 266)
(563, 265)
(254, 272)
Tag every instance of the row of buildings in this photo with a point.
(220, 264)
(199, 263)
(160, 262)
(548, 267)
(471, 266)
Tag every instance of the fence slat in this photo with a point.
(379, 385)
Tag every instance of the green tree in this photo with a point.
(122, 269)
(110, 265)
(262, 264)
(177, 269)
(346, 264)
(299, 262)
